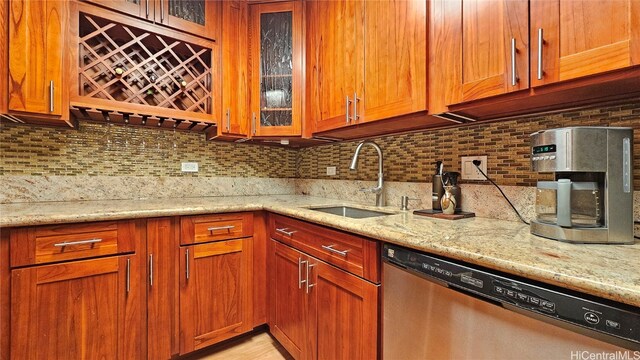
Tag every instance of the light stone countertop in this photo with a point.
(608, 271)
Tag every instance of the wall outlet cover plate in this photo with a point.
(469, 171)
(189, 167)
(331, 170)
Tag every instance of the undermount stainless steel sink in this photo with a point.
(350, 212)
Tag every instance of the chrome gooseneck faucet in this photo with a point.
(378, 190)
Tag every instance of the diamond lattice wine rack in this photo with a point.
(137, 76)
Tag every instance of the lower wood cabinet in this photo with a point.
(89, 309)
(215, 292)
(318, 311)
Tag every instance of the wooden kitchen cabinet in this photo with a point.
(318, 311)
(162, 288)
(215, 292)
(235, 70)
(83, 309)
(474, 47)
(200, 18)
(576, 38)
(195, 17)
(335, 60)
(366, 60)
(276, 68)
(38, 32)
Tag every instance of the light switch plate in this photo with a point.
(331, 170)
(189, 167)
(469, 171)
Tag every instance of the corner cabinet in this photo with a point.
(234, 122)
(38, 33)
(576, 38)
(276, 68)
(366, 61)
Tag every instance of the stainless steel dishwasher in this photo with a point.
(436, 308)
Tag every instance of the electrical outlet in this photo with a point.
(189, 167)
(469, 171)
(331, 170)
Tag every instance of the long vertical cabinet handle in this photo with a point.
(347, 110)
(355, 107)
(128, 275)
(150, 269)
(51, 95)
(147, 8)
(255, 125)
(162, 11)
(540, 44)
(228, 120)
(300, 281)
(308, 284)
(186, 255)
(514, 76)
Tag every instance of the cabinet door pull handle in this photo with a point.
(147, 8)
(162, 11)
(186, 255)
(215, 228)
(355, 107)
(300, 281)
(348, 119)
(128, 275)
(81, 242)
(284, 231)
(151, 270)
(228, 120)
(308, 284)
(339, 252)
(51, 95)
(255, 125)
(540, 44)
(514, 76)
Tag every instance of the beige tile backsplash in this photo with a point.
(101, 161)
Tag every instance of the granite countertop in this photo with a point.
(608, 271)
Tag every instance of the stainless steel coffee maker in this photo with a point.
(591, 199)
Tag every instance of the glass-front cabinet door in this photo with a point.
(276, 69)
(197, 17)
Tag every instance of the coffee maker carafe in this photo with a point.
(591, 197)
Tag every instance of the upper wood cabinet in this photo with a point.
(366, 60)
(575, 38)
(199, 17)
(479, 49)
(495, 47)
(215, 292)
(335, 60)
(276, 68)
(235, 71)
(38, 31)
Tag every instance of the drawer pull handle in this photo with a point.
(284, 231)
(339, 252)
(186, 258)
(216, 228)
(128, 275)
(81, 242)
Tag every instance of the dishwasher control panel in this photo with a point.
(618, 320)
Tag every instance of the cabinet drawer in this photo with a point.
(354, 254)
(53, 243)
(206, 228)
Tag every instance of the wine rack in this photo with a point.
(124, 69)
